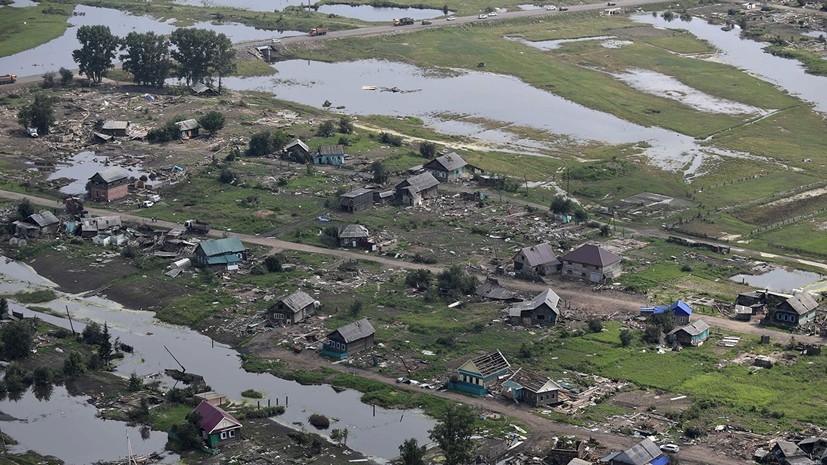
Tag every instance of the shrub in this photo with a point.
(135, 383)
(42, 376)
(252, 394)
(273, 263)
(390, 139)
(625, 337)
(595, 325)
(319, 421)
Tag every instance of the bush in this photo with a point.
(418, 279)
(252, 394)
(326, 129)
(166, 133)
(273, 263)
(319, 421)
(390, 139)
(625, 337)
(74, 364)
(595, 325)
(66, 76)
(226, 176)
(265, 412)
(42, 376)
(135, 383)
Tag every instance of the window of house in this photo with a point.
(541, 317)
(231, 433)
(223, 435)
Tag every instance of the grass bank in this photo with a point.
(25, 28)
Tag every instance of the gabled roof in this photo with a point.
(352, 231)
(298, 300)
(221, 246)
(332, 150)
(487, 364)
(112, 174)
(641, 453)
(590, 254)
(43, 219)
(356, 193)
(419, 183)
(355, 331)
(547, 297)
(113, 125)
(540, 254)
(491, 289)
(297, 143)
(802, 303)
(187, 125)
(681, 308)
(533, 381)
(693, 329)
(215, 418)
(449, 162)
(200, 87)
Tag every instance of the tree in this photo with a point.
(380, 173)
(605, 230)
(105, 345)
(38, 114)
(580, 215)
(345, 125)
(212, 122)
(166, 133)
(4, 307)
(273, 263)
(625, 337)
(66, 76)
(595, 325)
(561, 205)
(665, 321)
(453, 434)
(146, 57)
(326, 129)
(266, 142)
(652, 334)
(428, 149)
(17, 339)
(48, 80)
(419, 279)
(97, 49)
(226, 176)
(222, 59)
(135, 383)
(42, 376)
(25, 209)
(455, 282)
(411, 453)
(445, 9)
(742, 23)
(191, 51)
(74, 365)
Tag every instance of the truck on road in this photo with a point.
(318, 31)
(403, 21)
(197, 227)
(8, 78)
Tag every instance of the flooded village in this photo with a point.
(505, 234)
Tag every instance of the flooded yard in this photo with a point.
(81, 167)
(778, 279)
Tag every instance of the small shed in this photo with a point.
(216, 425)
(349, 339)
(188, 128)
(693, 334)
(356, 200)
(199, 88)
(115, 128)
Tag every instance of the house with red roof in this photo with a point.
(591, 262)
(216, 424)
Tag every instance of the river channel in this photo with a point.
(377, 436)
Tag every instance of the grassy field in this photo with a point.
(25, 28)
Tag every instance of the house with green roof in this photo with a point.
(225, 253)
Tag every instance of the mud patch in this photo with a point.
(79, 272)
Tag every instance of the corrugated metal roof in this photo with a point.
(211, 416)
(355, 331)
(216, 247)
(356, 192)
(297, 143)
(491, 363)
(547, 297)
(113, 125)
(187, 125)
(112, 174)
(693, 329)
(43, 219)
(590, 254)
(100, 223)
(419, 183)
(540, 254)
(802, 303)
(298, 300)
(332, 150)
(681, 308)
(353, 231)
(641, 453)
(449, 162)
(491, 289)
(533, 381)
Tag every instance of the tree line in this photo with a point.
(193, 55)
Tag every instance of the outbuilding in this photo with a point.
(356, 200)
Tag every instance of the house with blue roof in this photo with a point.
(679, 309)
(225, 253)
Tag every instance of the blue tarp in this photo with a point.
(662, 460)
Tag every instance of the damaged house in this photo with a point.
(645, 452)
(356, 200)
(225, 253)
(538, 259)
(293, 309)
(415, 189)
(188, 128)
(330, 155)
(533, 388)
(478, 374)
(91, 227)
(355, 236)
(40, 224)
(542, 310)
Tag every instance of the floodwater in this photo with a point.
(250, 5)
(27, 3)
(662, 85)
(557, 43)
(375, 14)
(779, 279)
(57, 53)
(56, 423)
(529, 6)
(750, 56)
(83, 166)
(494, 97)
(378, 435)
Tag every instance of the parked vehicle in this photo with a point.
(551, 8)
(426, 22)
(147, 204)
(483, 16)
(154, 197)
(611, 4)
(318, 31)
(8, 78)
(564, 8)
(672, 448)
(32, 132)
(493, 13)
(198, 227)
(403, 21)
(451, 18)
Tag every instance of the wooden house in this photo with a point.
(355, 236)
(225, 253)
(415, 189)
(115, 128)
(476, 375)
(330, 155)
(447, 168)
(796, 310)
(542, 310)
(349, 339)
(294, 308)
(44, 223)
(646, 452)
(296, 150)
(188, 128)
(216, 425)
(532, 388)
(693, 334)
(537, 259)
(591, 262)
(356, 200)
(109, 184)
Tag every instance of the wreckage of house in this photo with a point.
(542, 310)
(539, 259)
(533, 388)
(491, 289)
(415, 189)
(90, 227)
(40, 224)
(294, 308)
